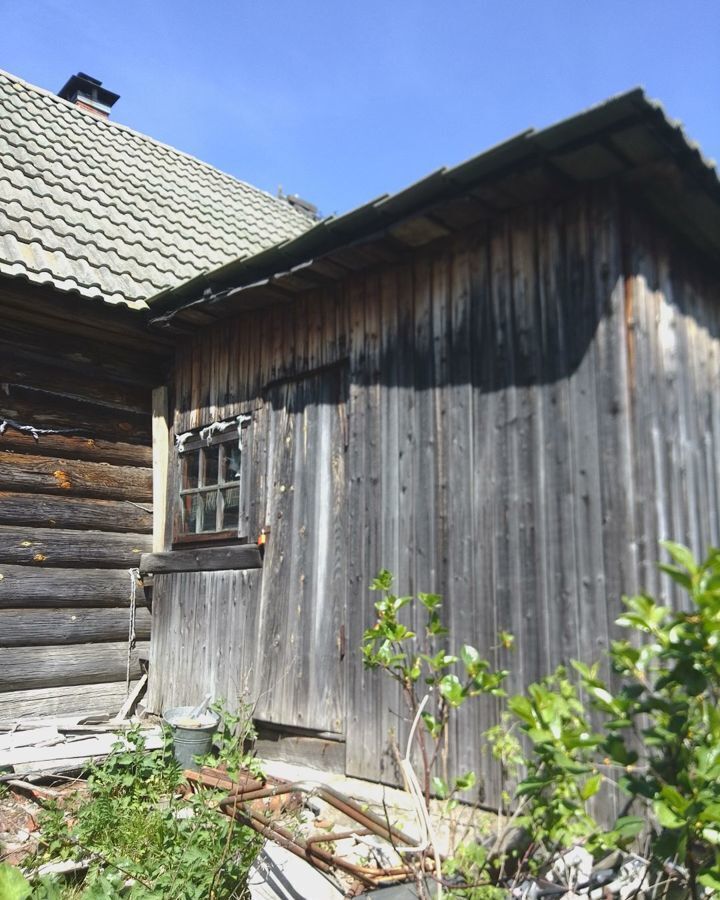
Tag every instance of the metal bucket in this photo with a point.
(190, 741)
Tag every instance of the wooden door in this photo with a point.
(299, 665)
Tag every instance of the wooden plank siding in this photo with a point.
(75, 507)
(531, 405)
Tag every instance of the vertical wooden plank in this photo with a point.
(459, 606)
(160, 458)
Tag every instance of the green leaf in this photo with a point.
(465, 782)
(629, 827)
(711, 835)
(432, 725)
(451, 689)
(431, 602)
(523, 709)
(677, 574)
(382, 581)
(506, 640)
(531, 786)
(682, 555)
(469, 655)
(674, 799)
(13, 884)
(710, 878)
(666, 817)
(440, 787)
(591, 787)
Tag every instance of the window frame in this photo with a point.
(196, 443)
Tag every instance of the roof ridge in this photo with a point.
(127, 130)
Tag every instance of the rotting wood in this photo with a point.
(24, 668)
(208, 559)
(51, 627)
(74, 512)
(48, 475)
(64, 548)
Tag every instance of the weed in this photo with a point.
(142, 839)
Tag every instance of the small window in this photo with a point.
(209, 496)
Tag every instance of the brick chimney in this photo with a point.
(89, 94)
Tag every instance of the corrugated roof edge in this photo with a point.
(335, 231)
(111, 123)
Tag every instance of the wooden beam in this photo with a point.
(50, 475)
(46, 410)
(52, 627)
(211, 559)
(34, 703)
(76, 664)
(76, 447)
(160, 455)
(78, 549)
(47, 511)
(67, 385)
(44, 587)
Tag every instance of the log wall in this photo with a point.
(75, 507)
(531, 406)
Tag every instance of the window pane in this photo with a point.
(190, 462)
(210, 511)
(210, 473)
(199, 512)
(232, 463)
(190, 509)
(231, 508)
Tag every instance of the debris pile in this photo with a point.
(62, 745)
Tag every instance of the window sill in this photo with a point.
(205, 559)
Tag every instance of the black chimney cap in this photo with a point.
(88, 87)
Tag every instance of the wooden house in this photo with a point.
(94, 218)
(501, 384)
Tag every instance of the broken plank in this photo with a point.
(240, 556)
(98, 745)
(59, 547)
(75, 664)
(131, 700)
(32, 736)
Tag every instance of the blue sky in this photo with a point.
(341, 101)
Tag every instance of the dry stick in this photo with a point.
(412, 785)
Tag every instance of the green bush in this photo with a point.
(656, 733)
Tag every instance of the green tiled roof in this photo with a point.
(90, 206)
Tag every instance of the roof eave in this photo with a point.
(566, 140)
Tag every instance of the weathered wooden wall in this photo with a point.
(75, 508)
(530, 406)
